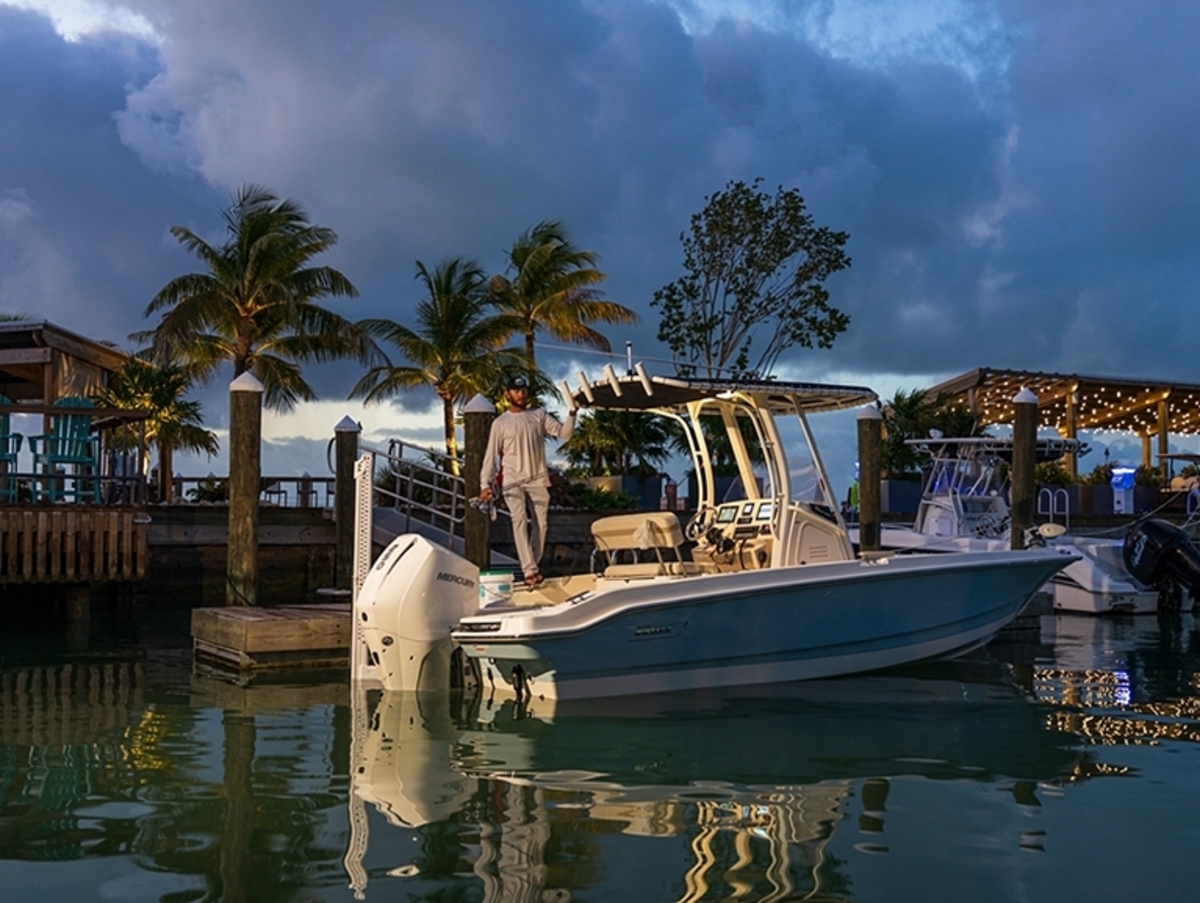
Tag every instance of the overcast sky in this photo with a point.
(1020, 179)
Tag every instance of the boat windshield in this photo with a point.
(803, 472)
(973, 475)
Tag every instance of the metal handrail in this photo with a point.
(1048, 504)
(428, 485)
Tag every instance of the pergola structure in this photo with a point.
(1070, 402)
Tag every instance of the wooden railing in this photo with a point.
(72, 544)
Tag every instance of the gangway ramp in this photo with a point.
(388, 523)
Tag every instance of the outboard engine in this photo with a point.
(1155, 551)
(415, 593)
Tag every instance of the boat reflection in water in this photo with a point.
(741, 792)
(137, 779)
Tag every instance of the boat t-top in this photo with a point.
(762, 588)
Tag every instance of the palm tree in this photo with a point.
(455, 348)
(551, 285)
(912, 415)
(255, 307)
(607, 443)
(174, 424)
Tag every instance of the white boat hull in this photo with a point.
(719, 630)
(1096, 584)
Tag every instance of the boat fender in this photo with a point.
(1155, 550)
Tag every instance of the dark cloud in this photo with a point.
(82, 222)
(1019, 183)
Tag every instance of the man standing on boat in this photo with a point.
(516, 451)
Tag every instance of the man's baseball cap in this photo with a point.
(516, 382)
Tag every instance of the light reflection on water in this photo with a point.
(1061, 768)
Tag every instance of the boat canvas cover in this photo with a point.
(675, 393)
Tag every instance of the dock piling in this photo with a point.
(870, 475)
(478, 415)
(346, 435)
(245, 474)
(1025, 425)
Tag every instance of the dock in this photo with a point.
(263, 639)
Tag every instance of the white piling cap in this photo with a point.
(1025, 397)
(870, 412)
(247, 382)
(479, 405)
(348, 425)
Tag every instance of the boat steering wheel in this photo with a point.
(700, 523)
(992, 525)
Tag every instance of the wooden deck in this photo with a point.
(72, 544)
(254, 638)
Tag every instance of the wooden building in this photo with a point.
(80, 526)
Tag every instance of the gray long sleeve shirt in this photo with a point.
(517, 443)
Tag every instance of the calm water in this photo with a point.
(1064, 767)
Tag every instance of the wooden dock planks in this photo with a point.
(253, 638)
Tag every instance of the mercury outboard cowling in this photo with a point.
(1155, 550)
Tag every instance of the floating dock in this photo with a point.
(261, 639)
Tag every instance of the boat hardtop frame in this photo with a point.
(769, 526)
(965, 492)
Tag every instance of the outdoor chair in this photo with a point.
(69, 444)
(10, 447)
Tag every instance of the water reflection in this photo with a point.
(135, 779)
(1121, 681)
(750, 786)
(183, 788)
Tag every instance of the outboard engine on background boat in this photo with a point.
(1158, 553)
(414, 594)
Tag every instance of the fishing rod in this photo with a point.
(497, 488)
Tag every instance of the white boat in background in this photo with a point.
(964, 507)
(770, 592)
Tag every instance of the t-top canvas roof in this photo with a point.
(673, 393)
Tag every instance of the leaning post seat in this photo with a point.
(629, 535)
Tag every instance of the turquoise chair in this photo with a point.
(69, 444)
(10, 447)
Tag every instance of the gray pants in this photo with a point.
(529, 533)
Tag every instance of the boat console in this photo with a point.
(737, 536)
(741, 535)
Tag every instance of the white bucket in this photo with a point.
(495, 588)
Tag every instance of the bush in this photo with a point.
(210, 491)
(1147, 476)
(1052, 473)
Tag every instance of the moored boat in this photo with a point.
(761, 589)
(964, 507)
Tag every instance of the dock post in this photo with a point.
(346, 435)
(870, 476)
(478, 415)
(245, 476)
(1025, 422)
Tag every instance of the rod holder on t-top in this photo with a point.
(567, 395)
(611, 376)
(586, 388)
